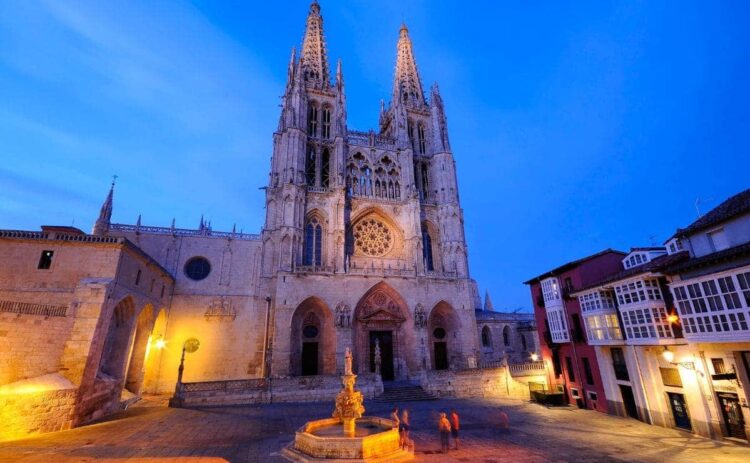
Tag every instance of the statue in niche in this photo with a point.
(343, 316)
(420, 317)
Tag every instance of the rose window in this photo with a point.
(372, 238)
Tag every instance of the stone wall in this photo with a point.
(318, 388)
(44, 404)
(478, 383)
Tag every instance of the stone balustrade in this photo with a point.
(207, 232)
(28, 308)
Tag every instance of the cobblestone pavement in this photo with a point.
(150, 432)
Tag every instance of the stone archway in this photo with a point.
(116, 343)
(143, 325)
(154, 352)
(443, 327)
(313, 339)
(380, 315)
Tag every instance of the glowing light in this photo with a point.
(534, 357)
(672, 318)
(160, 343)
(668, 355)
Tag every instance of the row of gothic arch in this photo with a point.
(409, 340)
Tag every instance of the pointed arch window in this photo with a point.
(486, 337)
(325, 169)
(425, 180)
(506, 336)
(310, 166)
(313, 243)
(422, 141)
(312, 121)
(427, 249)
(326, 122)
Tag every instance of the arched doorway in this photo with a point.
(134, 377)
(116, 343)
(443, 325)
(378, 320)
(313, 341)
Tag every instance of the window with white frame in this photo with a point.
(674, 246)
(557, 326)
(597, 300)
(550, 290)
(647, 323)
(641, 290)
(715, 304)
(603, 327)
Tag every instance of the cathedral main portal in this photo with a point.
(379, 319)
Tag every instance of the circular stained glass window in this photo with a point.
(310, 331)
(197, 268)
(439, 333)
(372, 238)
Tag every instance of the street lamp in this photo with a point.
(534, 356)
(190, 345)
(668, 355)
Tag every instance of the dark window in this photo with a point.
(569, 367)
(162, 291)
(439, 333)
(427, 249)
(618, 363)
(523, 343)
(587, 371)
(556, 364)
(138, 278)
(313, 254)
(325, 170)
(506, 336)
(568, 284)
(577, 328)
(197, 268)
(310, 331)
(326, 122)
(45, 260)
(486, 338)
(312, 121)
(153, 281)
(310, 166)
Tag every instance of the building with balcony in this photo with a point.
(572, 362)
(712, 293)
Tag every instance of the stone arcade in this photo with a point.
(363, 245)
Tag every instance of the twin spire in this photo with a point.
(407, 86)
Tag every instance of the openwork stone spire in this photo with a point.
(407, 86)
(101, 226)
(314, 57)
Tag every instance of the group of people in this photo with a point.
(448, 426)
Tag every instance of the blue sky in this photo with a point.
(576, 126)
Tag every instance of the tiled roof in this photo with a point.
(572, 265)
(656, 265)
(734, 206)
(709, 259)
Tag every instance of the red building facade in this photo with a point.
(571, 363)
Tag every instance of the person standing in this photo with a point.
(404, 429)
(444, 426)
(396, 421)
(454, 427)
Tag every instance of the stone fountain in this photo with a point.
(348, 436)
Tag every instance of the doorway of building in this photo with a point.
(679, 411)
(385, 340)
(629, 401)
(309, 358)
(732, 414)
(441, 355)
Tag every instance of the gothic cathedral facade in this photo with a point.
(364, 237)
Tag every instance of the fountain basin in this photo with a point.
(375, 440)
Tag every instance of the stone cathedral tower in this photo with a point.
(364, 239)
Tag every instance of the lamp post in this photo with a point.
(190, 345)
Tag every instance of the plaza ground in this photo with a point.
(150, 432)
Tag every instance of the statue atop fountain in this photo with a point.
(348, 402)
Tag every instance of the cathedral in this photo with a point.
(363, 248)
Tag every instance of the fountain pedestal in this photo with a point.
(348, 436)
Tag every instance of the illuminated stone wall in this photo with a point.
(478, 383)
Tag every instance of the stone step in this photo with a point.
(404, 393)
